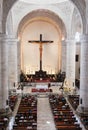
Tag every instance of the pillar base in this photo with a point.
(5, 112)
(82, 110)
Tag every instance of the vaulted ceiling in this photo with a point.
(61, 12)
(65, 9)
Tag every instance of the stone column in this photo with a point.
(63, 66)
(83, 107)
(19, 59)
(3, 74)
(12, 61)
(70, 65)
(77, 61)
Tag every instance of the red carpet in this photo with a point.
(41, 90)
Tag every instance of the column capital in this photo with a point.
(8, 37)
(12, 38)
(3, 36)
(70, 38)
(84, 38)
(64, 42)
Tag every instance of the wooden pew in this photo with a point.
(63, 115)
(26, 117)
(71, 127)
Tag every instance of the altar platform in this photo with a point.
(41, 90)
(42, 80)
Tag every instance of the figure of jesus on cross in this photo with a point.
(40, 42)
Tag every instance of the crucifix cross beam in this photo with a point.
(40, 42)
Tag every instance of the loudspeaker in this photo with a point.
(80, 100)
(7, 102)
(77, 58)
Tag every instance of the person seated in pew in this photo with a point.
(66, 105)
(29, 127)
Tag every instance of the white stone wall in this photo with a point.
(9, 24)
(12, 61)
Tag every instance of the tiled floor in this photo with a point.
(44, 114)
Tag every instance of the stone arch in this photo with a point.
(79, 4)
(47, 14)
(76, 23)
(49, 17)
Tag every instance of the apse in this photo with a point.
(51, 53)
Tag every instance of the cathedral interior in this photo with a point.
(43, 65)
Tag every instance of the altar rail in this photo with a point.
(33, 84)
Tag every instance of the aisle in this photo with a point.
(44, 115)
(77, 116)
(10, 125)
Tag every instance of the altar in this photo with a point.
(41, 88)
(41, 85)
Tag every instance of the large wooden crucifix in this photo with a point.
(40, 42)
